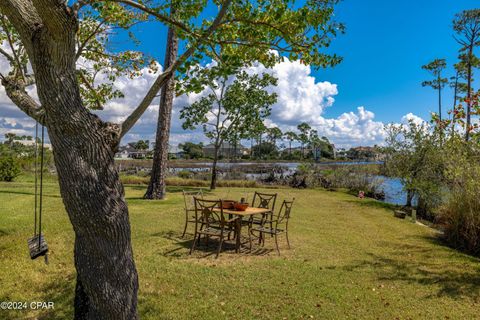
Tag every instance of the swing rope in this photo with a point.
(36, 182)
(41, 188)
(37, 244)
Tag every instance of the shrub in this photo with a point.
(460, 220)
(353, 178)
(459, 216)
(9, 169)
(185, 174)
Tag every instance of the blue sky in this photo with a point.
(385, 45)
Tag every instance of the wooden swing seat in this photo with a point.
(37, 248)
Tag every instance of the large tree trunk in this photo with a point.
(93, 196)
(157, 186)
(84, 148)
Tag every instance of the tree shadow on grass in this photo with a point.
(205, 249)
(170, 189)
(28, 193)
(441, 270)
(59, 291)
(374, 204)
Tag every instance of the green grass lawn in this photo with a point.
(350, 259)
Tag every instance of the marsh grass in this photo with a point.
(349, 259)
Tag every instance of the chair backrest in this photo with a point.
(284, 212)
(188, 198)
(264, 200)
(209, 212)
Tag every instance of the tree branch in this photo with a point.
(15, 89)
(159, 16)
(8, 56)
(24, 17)
(90, 88)
(90, 36)
(163, 78)
(15, 60)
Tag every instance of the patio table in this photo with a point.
(250, 211)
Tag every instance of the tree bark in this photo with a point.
(410, 195)
(157, 186)
(213, 182)
(94, 200)
(455, 94)
(439, 98)
(469, 89)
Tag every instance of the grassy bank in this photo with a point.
(349, 259)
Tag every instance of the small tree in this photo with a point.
(456, 83)
(142, 145)
(291, 137)
(303, 137)
(192, 150)
(274, 134)
(238, 108)
(413, 156)
(267, 149)
(435, 68)
(314, 143)
(467, 28)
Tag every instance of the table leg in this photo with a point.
(238, 233)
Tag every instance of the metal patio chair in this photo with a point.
(211, 222)
(189, 206)
(262, 200)
(277, 226)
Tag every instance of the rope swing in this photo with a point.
(37, 244)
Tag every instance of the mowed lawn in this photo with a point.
(350, 259)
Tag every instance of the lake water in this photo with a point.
(392, 187)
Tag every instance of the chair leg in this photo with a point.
(219, 247)
(194, 243)
(276, 243)
(288, 242)
(271, 224)
(250, 239)
(199, 238)
(185, 228)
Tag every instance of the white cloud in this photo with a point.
(300, 98)
(414, 118)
